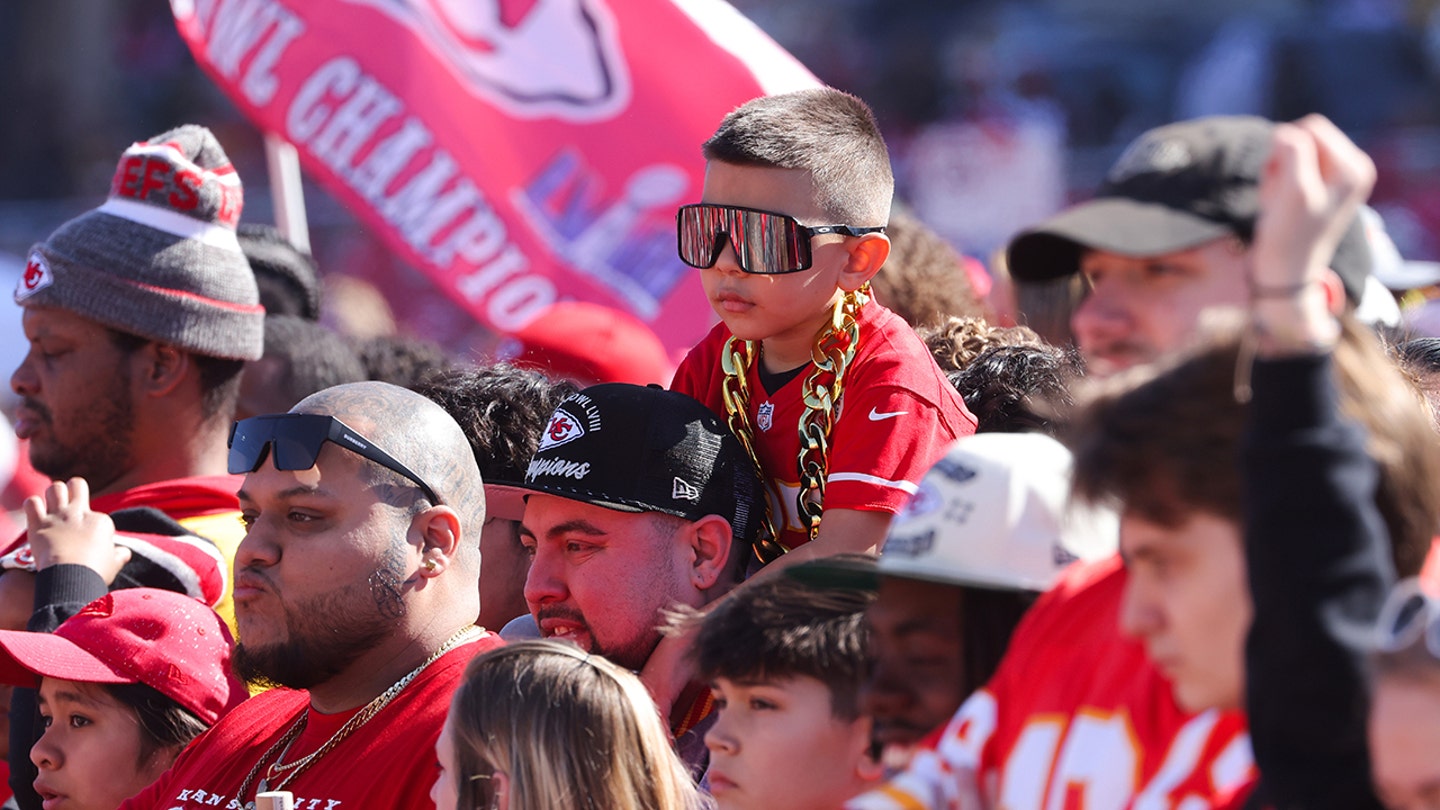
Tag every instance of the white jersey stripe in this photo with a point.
(903, 486)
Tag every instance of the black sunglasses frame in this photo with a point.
(307, 432)
(796, 238)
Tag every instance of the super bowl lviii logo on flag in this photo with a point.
(520, 152)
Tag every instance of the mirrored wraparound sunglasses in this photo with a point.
(294, 441)
(765, 242)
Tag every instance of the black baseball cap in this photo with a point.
(1174, 188)
(637, 448)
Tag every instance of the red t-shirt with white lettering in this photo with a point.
(1076, 716)
(898, 413)
(388, 762)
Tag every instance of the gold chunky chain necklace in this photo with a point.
(299, 766)
(831, 355)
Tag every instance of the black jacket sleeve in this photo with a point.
(1319, 566)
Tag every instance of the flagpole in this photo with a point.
(286, 192)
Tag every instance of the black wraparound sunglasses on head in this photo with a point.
(295, 439)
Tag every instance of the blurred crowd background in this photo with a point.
(998, 113)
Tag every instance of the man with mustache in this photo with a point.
(140, 315)
(356, 588)
(639, 499)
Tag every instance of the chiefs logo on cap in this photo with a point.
(563, 428)
(37, 277)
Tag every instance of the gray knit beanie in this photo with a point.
(159, 259)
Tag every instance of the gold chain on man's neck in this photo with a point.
(282, 745)
(831, 355)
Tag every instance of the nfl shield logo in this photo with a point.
(766, 415)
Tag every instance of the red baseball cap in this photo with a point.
(592, 343)
(162, 639)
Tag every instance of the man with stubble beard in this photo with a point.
(140, 314)
(356, 589)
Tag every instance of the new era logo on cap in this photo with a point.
(682, 490)
(37, 277)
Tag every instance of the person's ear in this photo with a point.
(501, 781)
(867, 762)
(711, 542)
(868, 768)
(440, 538)
(1334, 291)
(867, 255)
(161, 368)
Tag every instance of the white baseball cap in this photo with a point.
(994, 512)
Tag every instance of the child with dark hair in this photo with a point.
(786, 662)
(788, 234)
(125, 685)
(1019, 389)
(1010, 378)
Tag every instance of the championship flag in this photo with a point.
(520, 152)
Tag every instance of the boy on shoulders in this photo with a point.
(836, 398)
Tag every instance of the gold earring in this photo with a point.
(430, 565)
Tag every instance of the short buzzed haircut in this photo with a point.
(828, 133)
(781, 628)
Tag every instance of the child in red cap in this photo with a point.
(125, 685)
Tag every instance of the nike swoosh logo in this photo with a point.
(876, 416)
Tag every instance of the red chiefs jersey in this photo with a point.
(898, 413)
(1076, 717)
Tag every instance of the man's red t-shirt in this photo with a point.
(389, 762)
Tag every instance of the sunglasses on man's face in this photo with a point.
(294, 441)
(764, 242)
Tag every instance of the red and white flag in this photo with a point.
(521, 152)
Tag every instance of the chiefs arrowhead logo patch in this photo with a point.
(563, 428)
(37, 277)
